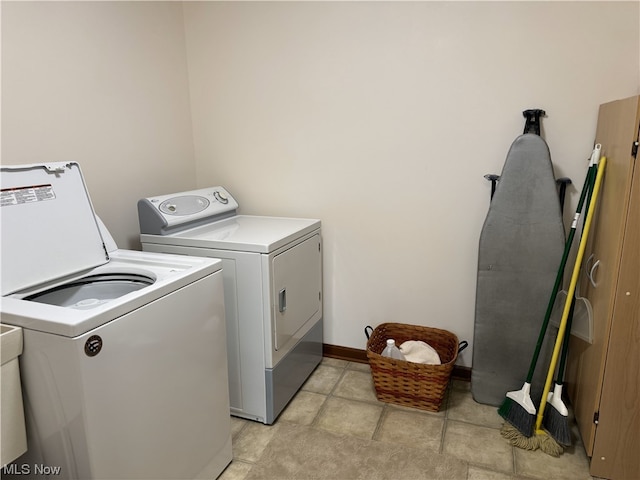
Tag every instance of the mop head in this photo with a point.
(555, 419)
(518, 409)
(540, 441)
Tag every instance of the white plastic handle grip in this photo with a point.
(592, 271)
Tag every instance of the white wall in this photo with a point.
(381, 118)
(104, 84)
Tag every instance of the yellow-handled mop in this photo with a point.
(541, 439)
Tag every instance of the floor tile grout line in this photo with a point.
(443, 435)
(381, 419)
(446, 402)
(245, 422)
(335, 385)
(314, 422)
(328, 395)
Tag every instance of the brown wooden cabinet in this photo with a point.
(603, 378)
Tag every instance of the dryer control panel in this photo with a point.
(174, 212)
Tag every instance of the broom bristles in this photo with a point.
(556, 425)
(517, 416)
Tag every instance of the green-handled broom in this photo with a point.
(518, 408)
(555, 420)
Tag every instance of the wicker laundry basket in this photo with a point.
(410, 384)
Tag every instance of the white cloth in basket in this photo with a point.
(417, 351)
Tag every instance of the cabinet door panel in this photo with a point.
(615, 451)
(617, 130)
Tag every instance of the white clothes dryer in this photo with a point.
(124, 364)
(272, 270)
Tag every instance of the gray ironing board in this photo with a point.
(520, 250)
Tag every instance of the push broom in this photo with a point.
(541, 439)
(518, 408)
(555, 420)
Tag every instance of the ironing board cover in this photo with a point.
(520, 250)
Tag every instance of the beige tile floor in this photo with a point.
(340, 397)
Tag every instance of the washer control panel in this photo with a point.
(177, 211)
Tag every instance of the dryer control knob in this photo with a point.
(220, 196)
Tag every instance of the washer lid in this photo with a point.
(48, 229)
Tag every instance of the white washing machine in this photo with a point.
(272, 269)
(124, 364)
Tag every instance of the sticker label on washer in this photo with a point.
(30, 194)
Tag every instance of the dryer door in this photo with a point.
(297, 289)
